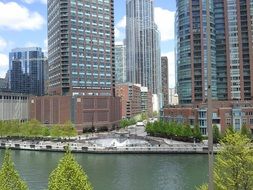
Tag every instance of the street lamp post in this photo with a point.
(209, 99)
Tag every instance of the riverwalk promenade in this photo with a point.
(89, 145)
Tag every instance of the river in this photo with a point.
(118, 171)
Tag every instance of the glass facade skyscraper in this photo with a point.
(191, 51)
(120, 63)
(143, 64)
(81, 47)
(231, 49)
(26, 71)
(234, 53)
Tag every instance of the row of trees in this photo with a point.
(68, 175)
(233, 167)
(174, 130)
(34, 128)
(217, 136)
(184, 132)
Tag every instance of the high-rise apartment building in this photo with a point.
(231, 50)
(81, 47)
(234, 53)
(26, 71)
(165, 80)
(142, 45)
(191, 51)
(120, 63)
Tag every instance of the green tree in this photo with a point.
(216, 134)
(246, 131)
(230, 130)
(196, 133)
(144, 116)
(9, 177)
(203, 187)
(68, 175)
(56, 131)
(233, 167)
(68, 129)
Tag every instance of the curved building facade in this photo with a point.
(191, 51)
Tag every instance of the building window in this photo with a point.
(228, 121)
(251, 121)
(244, 121)
(237, 126)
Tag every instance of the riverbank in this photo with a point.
(162, 146)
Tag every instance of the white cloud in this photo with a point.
(4, 63)
(165, 21)
(117, 33)
(171, 63)
(16, 17)
(120, 29)
(34, 1)
(122, 23)
(3, 43)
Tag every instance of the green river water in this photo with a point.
(118, 171)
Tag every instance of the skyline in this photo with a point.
(28, 28)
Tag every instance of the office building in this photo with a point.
(26, 71)
(120, 64)
(165, 80)
(81, 53)
(143, 60)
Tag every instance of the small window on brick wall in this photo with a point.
(251, 121)
(228, 121)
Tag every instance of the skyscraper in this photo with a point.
(26, 67)
(234, 53)
(231, 50)
(191, 51)
(142, 45)
(165, 80)
(81, 47)
(120, 63)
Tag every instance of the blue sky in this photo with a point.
(23, 24)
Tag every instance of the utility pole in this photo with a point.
(209, 99)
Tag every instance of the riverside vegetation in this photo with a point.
(173, 130)
(233, 167)
(185, 132)
(34, 128)
(68, 175)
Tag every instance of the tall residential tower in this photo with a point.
(81, 47)
(142, 45)
(234, 49)
(191, 51)
(231, 50)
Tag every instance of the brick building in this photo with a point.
(82, 111)
(130, 95)
(225, 114)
